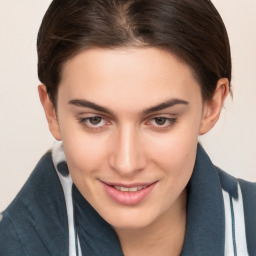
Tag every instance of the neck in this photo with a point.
(165, 236)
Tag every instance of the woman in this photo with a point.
(127, 88)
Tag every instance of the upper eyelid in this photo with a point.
(170, 123)
(109, 119)
(88, 118)
(88, 114)
(170, 119)
(163, 115)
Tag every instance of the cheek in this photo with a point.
(177, 146)
(84, 153)
(177, 161)
(175, 153)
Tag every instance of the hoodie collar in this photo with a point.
(205, 228)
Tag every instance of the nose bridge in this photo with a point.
(128, 156)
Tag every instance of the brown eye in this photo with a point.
(160, 120)
(161, 123)
(94, 123)
(95, 120)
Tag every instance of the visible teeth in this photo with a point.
(123, 189)
(134, 189)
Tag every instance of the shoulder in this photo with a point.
(240, 201)
(249, 202)
(230, 184)
(30, 222)
(10, 241)
(248, 189)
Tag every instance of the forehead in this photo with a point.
(127, 75)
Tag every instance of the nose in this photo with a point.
(127, 156)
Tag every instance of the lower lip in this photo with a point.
(128, 198)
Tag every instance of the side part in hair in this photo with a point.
(191, 29)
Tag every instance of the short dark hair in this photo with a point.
(191, 29)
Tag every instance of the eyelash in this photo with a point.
(171, 122)
(84, 121)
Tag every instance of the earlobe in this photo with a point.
(49, 111)
(213, 107)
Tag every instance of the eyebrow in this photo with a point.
(89, 104)
(161, 106)
(164, 105)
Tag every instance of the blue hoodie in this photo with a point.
(220, 216)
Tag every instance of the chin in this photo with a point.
(128, 225)
(131, 219)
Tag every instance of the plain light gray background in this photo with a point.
(24, 134)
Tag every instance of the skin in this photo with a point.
(129, 144)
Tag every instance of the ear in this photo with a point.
(213, 107)
(49, 111)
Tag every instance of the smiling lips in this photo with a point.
(128, 195)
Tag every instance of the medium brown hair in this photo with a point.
(191, 29)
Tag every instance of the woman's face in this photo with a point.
(129, 120)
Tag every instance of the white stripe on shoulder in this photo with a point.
(238, 206)
(238, 222)
(58, 156)
(228, 225)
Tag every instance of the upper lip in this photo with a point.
(131, 185)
